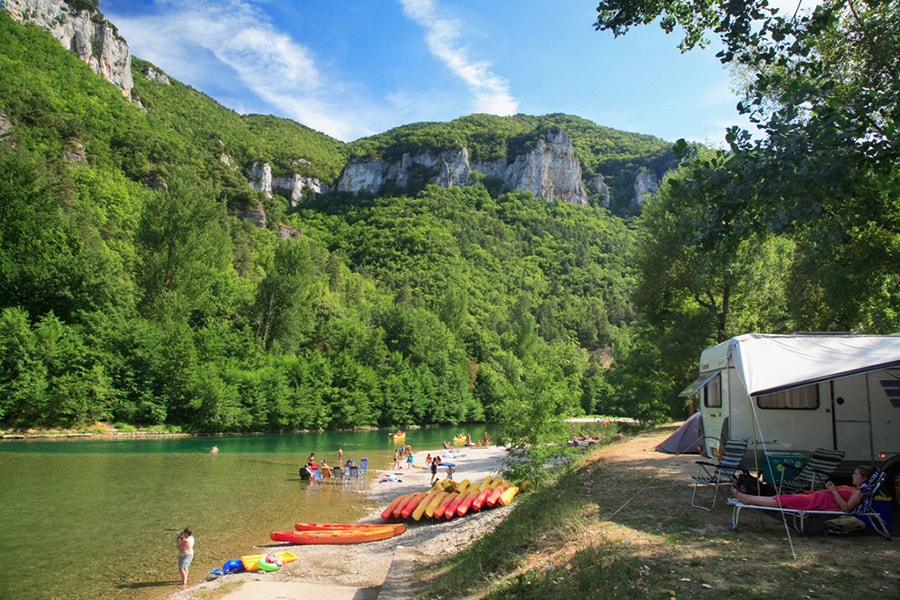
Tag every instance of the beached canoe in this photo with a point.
(448, 499)
(494, 496)
(507, 496)
(454, 506)
(335, 536)
(388, 512)
(434, 503)
(251, 562)
(398, 527)
(423, 504)
(466, 504)
(413, 499)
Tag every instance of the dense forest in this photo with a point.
(134, 290)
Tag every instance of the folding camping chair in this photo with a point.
(813, 475)
(718, 473)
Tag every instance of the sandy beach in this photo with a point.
(358, 572)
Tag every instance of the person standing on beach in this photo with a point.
(435, 463)
(340, 456)
(185, 553)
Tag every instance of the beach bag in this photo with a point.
(844, 525)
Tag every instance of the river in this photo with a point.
(98, 518)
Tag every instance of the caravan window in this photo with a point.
(712, 392)
(802, 398)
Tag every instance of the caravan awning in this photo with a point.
(698, 384)
(771, 363)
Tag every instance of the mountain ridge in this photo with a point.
(586, 164)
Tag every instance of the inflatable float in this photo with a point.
(251, 562)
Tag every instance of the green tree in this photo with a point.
(823, 88)
(183, 249)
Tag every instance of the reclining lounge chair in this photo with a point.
(864, 511)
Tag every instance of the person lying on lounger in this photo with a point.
(834, 497)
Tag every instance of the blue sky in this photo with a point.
(352, 68)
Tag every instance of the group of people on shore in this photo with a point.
(403, 454)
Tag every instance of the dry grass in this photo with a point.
(621, 526)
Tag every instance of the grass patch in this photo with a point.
(541, 551)
(617, 523)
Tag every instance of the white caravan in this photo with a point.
(796, 393)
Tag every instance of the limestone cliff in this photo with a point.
(645, 184)
(85, 33)
(550, 170)
(290, 186)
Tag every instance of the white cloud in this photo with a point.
(192, 39)
(491, 93)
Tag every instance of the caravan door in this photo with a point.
(852, 429)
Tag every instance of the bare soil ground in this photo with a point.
(644, 508)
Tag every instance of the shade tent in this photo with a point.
(770, 363)
(686, 438)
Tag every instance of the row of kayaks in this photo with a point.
(448, 499)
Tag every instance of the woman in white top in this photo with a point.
(185, 553)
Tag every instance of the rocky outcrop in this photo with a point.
(291, 186)
(598, 184)
(550, 170)
(645, 184)
(448, 168)
(85, 33)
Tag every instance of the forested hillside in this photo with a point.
(138, 284)
(133, 290)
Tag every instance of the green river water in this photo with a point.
(97, 519)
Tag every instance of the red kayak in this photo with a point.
(335, 536)
(466, 504)
(398, 527)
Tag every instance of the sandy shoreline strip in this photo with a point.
(345, 572)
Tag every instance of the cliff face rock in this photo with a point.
(645, 184)
(550, 170)
(446, 169)
(87, 34)
(291, 186)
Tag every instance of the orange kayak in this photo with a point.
(398, 527)
(481, 498)
(335, 536)
(411, 506)
(495, 495)
(388, 512)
